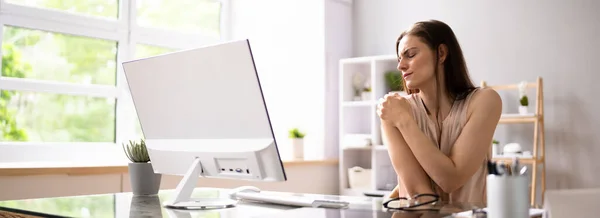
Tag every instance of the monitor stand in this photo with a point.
(182, 197)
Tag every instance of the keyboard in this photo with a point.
(292, 200)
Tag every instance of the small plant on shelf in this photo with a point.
(297, 139)
(394, 81)
(357, 81)
(295, 133)
(495, 147)
(523, 100)
(366, 92)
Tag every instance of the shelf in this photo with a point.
(372, 147)
(358, 148)
(529, 160)
(518, 118)
(358, 103)
(536, 117)
(368, 60)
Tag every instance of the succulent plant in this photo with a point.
(136, 151)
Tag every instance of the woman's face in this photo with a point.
(416, 62)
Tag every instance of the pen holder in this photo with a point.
(507, 196)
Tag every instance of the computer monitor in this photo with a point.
(203, 114)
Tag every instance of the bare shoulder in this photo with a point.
(487, 101)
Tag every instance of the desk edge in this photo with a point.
(118, 169)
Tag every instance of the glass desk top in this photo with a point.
(127, 205)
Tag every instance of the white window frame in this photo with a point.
(123, 30)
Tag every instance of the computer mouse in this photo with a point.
(234, 191)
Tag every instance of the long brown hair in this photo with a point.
(456, 75)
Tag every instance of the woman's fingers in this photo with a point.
(395, 193)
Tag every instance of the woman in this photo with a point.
(439, 135)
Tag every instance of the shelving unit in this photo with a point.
(360, 117)
(537, 119)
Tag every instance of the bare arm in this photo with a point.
(469, 150)
(410, 174)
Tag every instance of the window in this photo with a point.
(100, 8)
(62, 80)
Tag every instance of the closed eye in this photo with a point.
(410, 53)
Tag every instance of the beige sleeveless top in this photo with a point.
(473, 191)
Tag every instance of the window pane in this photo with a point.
(143, 51)
(47, 117)
(189, 16)
(61, 57)
(101, 8)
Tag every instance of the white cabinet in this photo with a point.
(360, 142)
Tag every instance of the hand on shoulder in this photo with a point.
(394, 108)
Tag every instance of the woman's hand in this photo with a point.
(394, 109)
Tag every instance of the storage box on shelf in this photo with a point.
(359, 126)
(537, 158)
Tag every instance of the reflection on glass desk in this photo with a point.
(127, 205)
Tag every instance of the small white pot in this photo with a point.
(298, 148)
(495, 150)
(366, 96)
(523, 110)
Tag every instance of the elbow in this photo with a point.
(450, 186)
(452, 183)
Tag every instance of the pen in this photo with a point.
(523, 170)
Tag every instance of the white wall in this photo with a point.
(511, 41)
(297, 45)
(287, 46)
(338, 45)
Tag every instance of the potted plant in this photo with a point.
(523, 100)
(366, 93)
(297, 139)
(143, 179)
(357, 81)
(394, 81)
(495, 147)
